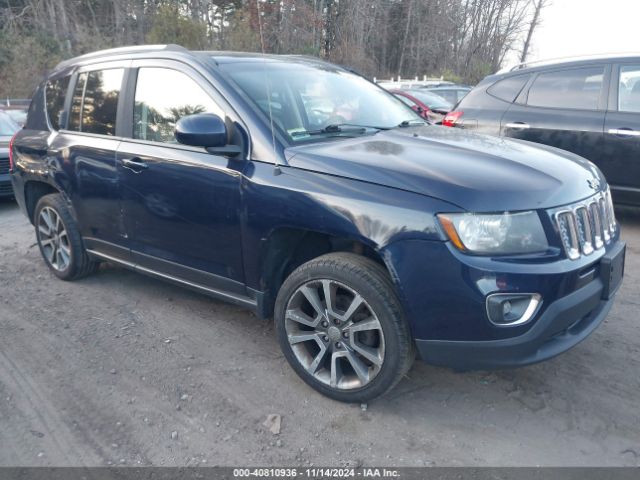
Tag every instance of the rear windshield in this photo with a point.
(430, 99)
(7, 126)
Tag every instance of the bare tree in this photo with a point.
(461, 39)
(538, 5)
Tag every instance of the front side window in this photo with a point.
(307, 101)
(56, 92)
(629, 89)
(95, 102)
(576, 89)
(163, 96)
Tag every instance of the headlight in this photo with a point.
(502, 233)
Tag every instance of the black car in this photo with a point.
(589, 107)
(7, 129)
(308, 194)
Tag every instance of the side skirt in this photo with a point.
(254, 304)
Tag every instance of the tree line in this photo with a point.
(462, 40)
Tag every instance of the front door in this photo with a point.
(181, 204)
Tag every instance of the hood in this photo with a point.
(473, 171)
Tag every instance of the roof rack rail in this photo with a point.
(574, 58)
(121, 50)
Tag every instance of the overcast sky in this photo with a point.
(585, 27)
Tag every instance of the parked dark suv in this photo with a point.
(308, 194)
(589, 107)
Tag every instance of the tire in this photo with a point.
(59, 239)
(349, 354)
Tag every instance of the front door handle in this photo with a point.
(134, 164)
(624, 132)
(517, 125)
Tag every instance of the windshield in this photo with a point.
(311, 101)
(7, 126)
(431, 100)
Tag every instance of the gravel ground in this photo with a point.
(119, 368)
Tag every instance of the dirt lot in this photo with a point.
(105, 370)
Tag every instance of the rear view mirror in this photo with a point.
(201, 130)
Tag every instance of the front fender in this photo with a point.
(373, 215)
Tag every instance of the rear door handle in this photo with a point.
(517, 125)
(624, 132)
(134, 164)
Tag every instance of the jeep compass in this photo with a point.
(309, 195)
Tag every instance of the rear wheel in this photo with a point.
(59, 239)
(341, 328)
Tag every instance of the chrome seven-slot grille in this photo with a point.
(587, 226)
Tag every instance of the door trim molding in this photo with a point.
(221, 294)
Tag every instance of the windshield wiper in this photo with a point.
(411, 123)
(338, 128)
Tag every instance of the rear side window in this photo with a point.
(56, 92)
(76, 102)
(576, 89)
(629, 89)
(508, 89)
(95, 102)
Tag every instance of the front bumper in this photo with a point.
(564, 324)
(445, 302)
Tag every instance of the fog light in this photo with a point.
(511, 309)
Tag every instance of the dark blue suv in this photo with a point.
(306, 193)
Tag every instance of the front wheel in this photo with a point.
(340, 326)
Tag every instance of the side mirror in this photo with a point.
(201, 130)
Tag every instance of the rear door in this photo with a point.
(85, 156)
(564, 108)
(621, 158)
(181, 204)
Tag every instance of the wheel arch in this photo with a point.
(287, 248)
(34, 190)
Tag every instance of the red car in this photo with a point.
(428, 105)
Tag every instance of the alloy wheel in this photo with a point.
(334, 334)
(53, 238)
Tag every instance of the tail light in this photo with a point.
(11, 164)
(452, 118)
